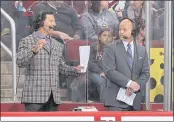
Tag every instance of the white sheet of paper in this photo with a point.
(121, 96)
(84, 57)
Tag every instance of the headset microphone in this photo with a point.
(125, 37)
(50, 27)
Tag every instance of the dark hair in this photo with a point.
(103, 30)
(140, 23)
(95, 6)
(39, 19)
(99, 48)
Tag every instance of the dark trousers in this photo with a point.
(50, 105)
(101, 84)
(115, 108)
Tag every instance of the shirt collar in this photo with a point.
(40, 35)
(126, 43)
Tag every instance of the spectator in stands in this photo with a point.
(19, 6)
(158, 20)
(136, 9)
(140, 30)
(132, 10)
(97, 18)
(159, 30)
(16, 10)
(79, 6)
(67, 22)
(118, 9)
(41, 55)
(96, 73)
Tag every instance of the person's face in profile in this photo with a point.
(125, 29)
(49, 22)
(105, 37)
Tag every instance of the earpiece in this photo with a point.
(133, 33)
(41, 19)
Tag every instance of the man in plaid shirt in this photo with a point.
(42, 58)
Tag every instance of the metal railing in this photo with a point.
(6, 49)
(148, 45)
(167, 57)
(13, 54)
(167, 54)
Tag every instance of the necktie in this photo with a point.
(129, 54)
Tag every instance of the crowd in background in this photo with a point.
(131, 9)
(85, 20)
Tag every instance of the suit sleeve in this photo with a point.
(110, 67)
(64, 69)
(24, 54)
(145, 72)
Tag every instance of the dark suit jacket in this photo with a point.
(117, 70)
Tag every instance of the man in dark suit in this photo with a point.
(126, 66)
(41, 55)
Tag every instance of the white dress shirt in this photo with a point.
(132, 47)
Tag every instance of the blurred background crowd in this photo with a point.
(84, 20)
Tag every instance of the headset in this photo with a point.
(39, 20)
(134, 30)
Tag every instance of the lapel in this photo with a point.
(36, 39)
(135, 60)
(52, 43)
(123, 50)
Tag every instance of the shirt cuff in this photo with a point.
(129, 82)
